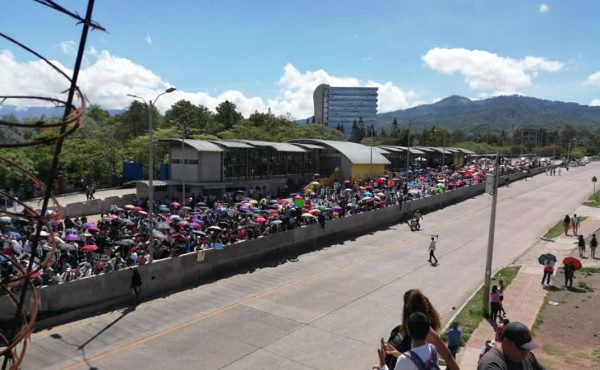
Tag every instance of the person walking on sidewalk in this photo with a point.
(593, 246)
(513, 351)
(548, 270)
(575, 223)
(569, 275)
(566, 224)
(453, 334)
(494, 304)
(432, 250)
(581, 245)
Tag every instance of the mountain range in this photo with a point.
(501, 112)
(452, 113)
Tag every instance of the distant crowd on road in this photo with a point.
(123, 237)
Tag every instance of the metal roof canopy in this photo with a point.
(280, 147)
(232, 144)
(413, 150)
(356, 153)
(309, 146)
(199, 145)
(466, 151)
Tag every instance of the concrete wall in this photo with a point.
(85, 297)
(96, 206)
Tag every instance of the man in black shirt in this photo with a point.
(513, 351)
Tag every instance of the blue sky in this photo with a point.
(272, 54)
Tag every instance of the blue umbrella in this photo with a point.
(13, 234)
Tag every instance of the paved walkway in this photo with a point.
(524, 297)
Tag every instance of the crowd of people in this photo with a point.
(124, 237)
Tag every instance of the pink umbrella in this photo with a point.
(143, 213)
(89, 248)
(194, 225)
(175, 204)
(260, 219)
(94, 229)
(137, 209)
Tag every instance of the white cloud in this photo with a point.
(148, 40)
(68, 47)
(544, 8)
(489, 72)
(593, 79)
(107, 79)
(595, 103)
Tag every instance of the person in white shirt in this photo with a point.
(432, 251)
(421, 352)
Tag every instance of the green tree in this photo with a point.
(10, 175)
(196, 118)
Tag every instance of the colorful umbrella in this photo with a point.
(89, 248)
(572, 261)
(542, 259)
(72, 237)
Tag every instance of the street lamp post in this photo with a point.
(182, 127)
(490, 249)
(150, 104)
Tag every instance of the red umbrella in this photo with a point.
(572, 261)
(260, 219)
(93, 229)
(89, 248)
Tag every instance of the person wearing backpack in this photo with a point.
(400, 339)
(422, 355)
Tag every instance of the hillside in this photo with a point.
(501, 112)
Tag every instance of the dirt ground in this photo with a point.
(568, 327)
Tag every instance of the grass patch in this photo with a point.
(584, 285)
(596, 357)
(559, 229)
(590, 270)
(549, 349)
(472, 313)
(594, 200)
(539, 319)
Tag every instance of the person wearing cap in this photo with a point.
(513, 351)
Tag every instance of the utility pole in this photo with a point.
(490, 249)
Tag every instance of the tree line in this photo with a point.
(95, 153)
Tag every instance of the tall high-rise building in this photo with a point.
(342, 106)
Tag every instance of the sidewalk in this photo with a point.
(524, 297)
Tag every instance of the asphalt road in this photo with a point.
(328, 308)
